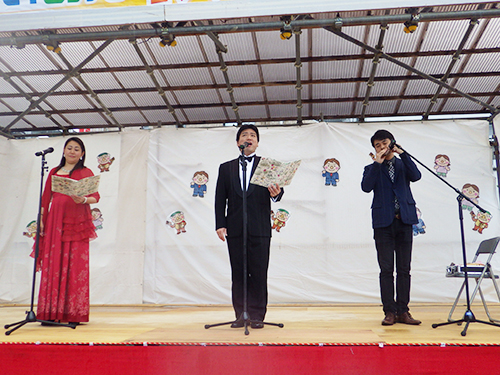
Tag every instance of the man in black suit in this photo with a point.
(229, 225)
(393, 213)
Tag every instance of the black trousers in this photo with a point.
(257, 266)
(394, 241)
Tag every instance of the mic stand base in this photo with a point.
(467, 319)
(31, 318)
(245, 319)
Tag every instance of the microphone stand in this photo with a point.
(30, 315)
(244, 315)
(469, 315)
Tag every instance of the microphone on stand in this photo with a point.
(44, 152)
(244, 145)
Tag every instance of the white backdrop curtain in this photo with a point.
(325, 252)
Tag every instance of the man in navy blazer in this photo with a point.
(393, 213)
(229, 225)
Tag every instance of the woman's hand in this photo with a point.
(78, 200)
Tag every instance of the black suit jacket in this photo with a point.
(228, 194)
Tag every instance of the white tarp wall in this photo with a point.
(325, 253)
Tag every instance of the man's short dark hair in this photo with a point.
(380, 135)
(245, 127)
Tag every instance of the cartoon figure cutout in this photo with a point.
(177, 221)
(199, 184)
(330, 171)
(442, 165)
(30, 230)
(480, 220)
(97, 218)
(105, 160)
(279, 219)
(471, 191)
(419, 228)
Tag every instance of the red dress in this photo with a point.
(64, 254)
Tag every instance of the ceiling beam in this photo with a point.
(72, 73)
(413, 70)
(299, 23)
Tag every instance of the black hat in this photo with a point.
(244, 127)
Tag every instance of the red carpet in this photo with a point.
(221, 359)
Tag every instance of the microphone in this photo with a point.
(244, 145)
(392, 144)
(44, 152)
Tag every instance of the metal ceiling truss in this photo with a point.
(220, 49)
(333, 25)
(72, 73)
(298, 23)
(91, 92)
(339, 33)
(157, 85)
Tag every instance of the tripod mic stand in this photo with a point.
(244, 317)
(30, 315)
(469, 315)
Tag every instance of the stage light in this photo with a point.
(286, 30)
(54, 47)
(412, 25)
(168, 41)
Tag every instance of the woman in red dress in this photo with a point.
(66, 229)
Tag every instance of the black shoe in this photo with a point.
(257, 325)
(238, 323)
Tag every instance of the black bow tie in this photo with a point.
(249, 159)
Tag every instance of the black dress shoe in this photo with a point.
(257, 325)
(238, 323)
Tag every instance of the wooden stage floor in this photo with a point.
(308, 324)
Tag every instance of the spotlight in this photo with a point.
(411, 26)
(286, 29)
(168, 41)
(54, 47)
(285, 34)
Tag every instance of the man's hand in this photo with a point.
(222, 233)
(397, 150)
(274, 190)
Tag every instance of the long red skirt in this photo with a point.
(64, 287)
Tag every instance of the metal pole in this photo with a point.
(245, 27)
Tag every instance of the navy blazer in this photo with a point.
(228, 193)
(376, 178)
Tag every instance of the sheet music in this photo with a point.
(271, 171)
(68, 186)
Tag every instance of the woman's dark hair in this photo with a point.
(81, 163)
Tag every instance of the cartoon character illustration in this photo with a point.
(105, 160)
(480, 220)
(199, 184)
(442, 165)
(419, 228)
(97, 218)
(177, 221)
(30, 230)
(279, 219)
(472, 192)
(330, 171)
